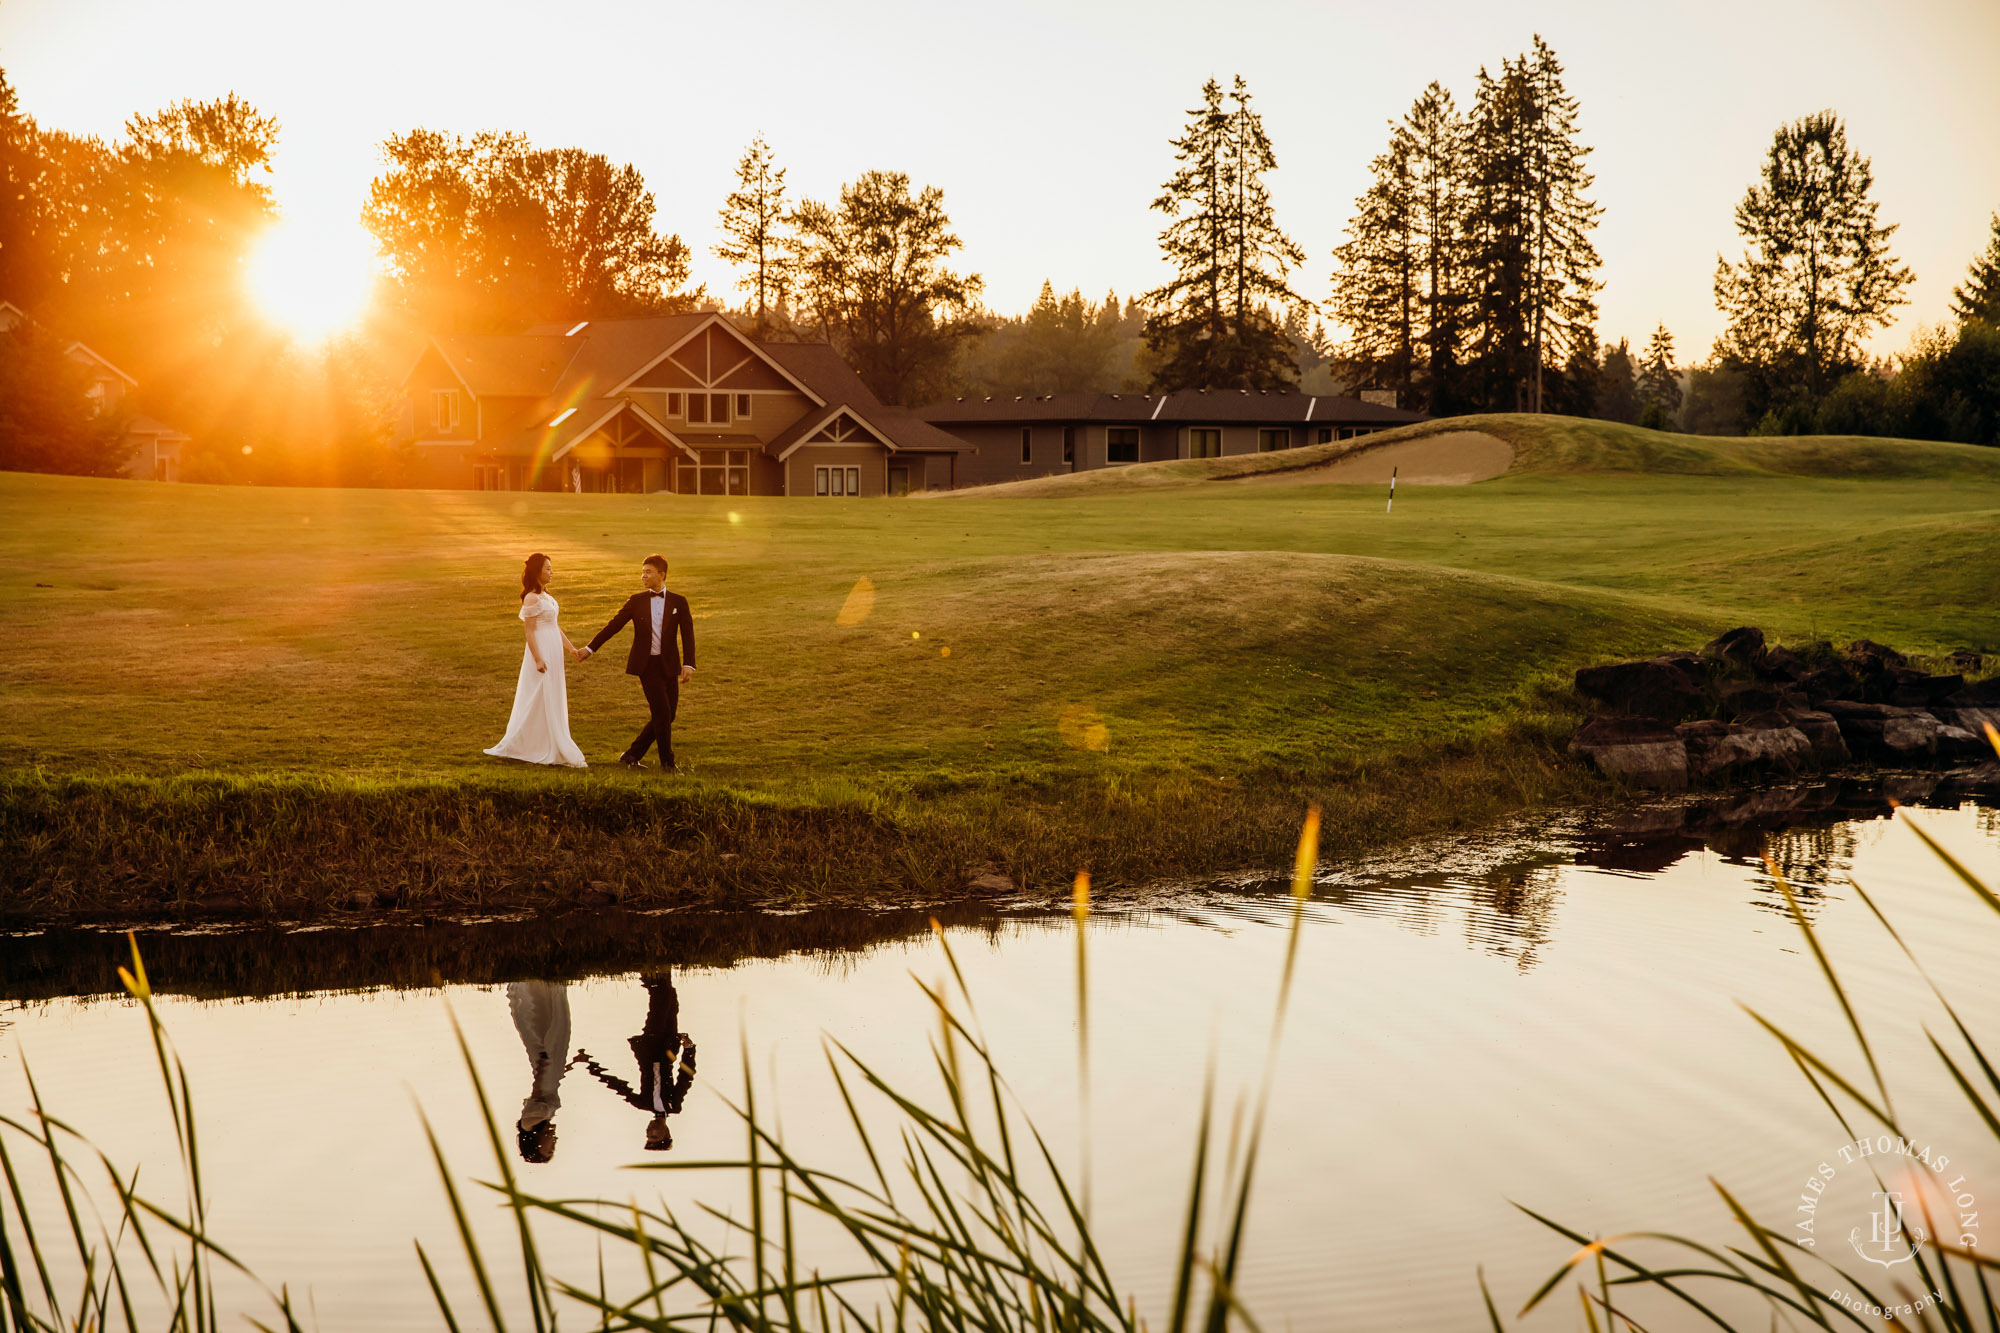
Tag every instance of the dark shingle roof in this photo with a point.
(1187, 406)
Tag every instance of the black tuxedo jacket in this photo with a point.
(676, 633)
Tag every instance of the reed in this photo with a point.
(1793, 1283)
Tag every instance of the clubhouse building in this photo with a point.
(692, 405)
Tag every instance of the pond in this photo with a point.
(1548, 1013)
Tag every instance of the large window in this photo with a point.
(1326, 435)
(1121, 444)
(838, 480)
(1027, 445)
(1270, 441)
(708, 409)
(444, 408)
(724, 472)
(1069, 446)
(1204, 442)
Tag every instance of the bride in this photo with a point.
(538, 728)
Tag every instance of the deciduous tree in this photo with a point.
(1817, 274)
(872, 279)
(1211, 325)
(492, 232)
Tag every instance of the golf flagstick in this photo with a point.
(1391, 508)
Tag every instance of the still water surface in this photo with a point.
(1547, 1014)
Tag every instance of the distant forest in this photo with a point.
(1467, 281)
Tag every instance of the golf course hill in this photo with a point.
(273, 701)
(1463, 450)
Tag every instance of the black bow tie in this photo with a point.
(657, 592)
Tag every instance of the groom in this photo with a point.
(662, 657)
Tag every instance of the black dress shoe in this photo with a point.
(630, 762)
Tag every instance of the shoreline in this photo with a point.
(315, 853)
(206, 847)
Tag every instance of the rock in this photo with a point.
(361, 900)
(1974, 720)
(1964, 659)
(1867, 650)
(1979, 694)
(1633, 750)
(1706, 753)
(1920, 689)
(1665, 687)
(1768, 742)
(1884, 731)
(1830, 682)
(1822, 734)
(1742, 646)
(1782, 664)
(1958, 743)
(990, 884)
(1740, 698)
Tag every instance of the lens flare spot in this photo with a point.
(735, 517)
(246, 448)
(915, 634)
(860, 603)
(944, 652)
(1082, 728)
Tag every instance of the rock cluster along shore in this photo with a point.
(1741, 707)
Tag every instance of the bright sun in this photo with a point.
(311, 282)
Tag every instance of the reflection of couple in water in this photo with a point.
(664, 1053)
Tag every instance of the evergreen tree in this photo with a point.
(753, 220)
(1212, 325)
(1529, 228)
(1817, 273)
(1399, 283)
(1977, 300)
(872, 280)
(1659, 382)
(1618, 385)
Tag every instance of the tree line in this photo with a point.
(1467, 281)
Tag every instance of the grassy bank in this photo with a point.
(224, 699)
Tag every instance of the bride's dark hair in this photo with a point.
(531, 574)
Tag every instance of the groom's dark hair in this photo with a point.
(658, 562)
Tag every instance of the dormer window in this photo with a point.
(708, 409)
(444, 409)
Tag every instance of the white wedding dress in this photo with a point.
(538, 728)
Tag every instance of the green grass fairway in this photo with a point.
(1030, 674)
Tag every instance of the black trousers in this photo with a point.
(663, 700)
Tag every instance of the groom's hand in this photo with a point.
(687, 674)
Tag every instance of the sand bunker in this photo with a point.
(1454, 458)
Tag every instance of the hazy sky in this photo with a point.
(1046, 123)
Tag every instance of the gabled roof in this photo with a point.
(504, 365)
(1187, 406)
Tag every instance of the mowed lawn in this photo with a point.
(1218, 630)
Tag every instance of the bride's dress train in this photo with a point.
(538, 728)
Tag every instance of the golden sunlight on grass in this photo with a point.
(311, 281)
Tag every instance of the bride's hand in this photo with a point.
(542, 667)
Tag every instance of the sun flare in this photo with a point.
(311, 282)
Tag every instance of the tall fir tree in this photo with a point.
(753, 221)
(1618, 384)
(1977, 299)
(1659, 382)
(1529, 229)
(1212, 325)
(1399, 283)
(1816, 274)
